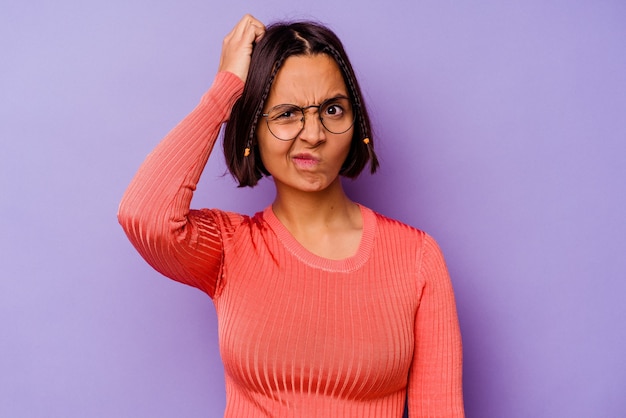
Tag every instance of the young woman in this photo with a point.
(325, 308)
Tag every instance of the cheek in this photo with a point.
(271, 150)
(344, 152)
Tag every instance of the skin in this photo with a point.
(310, 200)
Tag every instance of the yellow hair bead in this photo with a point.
(246, 152)
(366, 141)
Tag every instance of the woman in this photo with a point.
(325, 308)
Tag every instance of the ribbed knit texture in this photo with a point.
(300, 335)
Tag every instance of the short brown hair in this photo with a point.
(281, 41)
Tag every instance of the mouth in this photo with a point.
(305, 160)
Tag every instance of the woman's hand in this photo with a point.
(238, 44)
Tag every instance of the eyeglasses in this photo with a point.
(286, 121)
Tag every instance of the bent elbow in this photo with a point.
(134, 219)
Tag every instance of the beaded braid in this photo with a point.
(259, 109)
(367, 140)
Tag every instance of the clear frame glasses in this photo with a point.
(286, 121)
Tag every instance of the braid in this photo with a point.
(356, 97)
(252, 165)
(345, 70)
(264, 96)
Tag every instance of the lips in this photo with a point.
(305, 160)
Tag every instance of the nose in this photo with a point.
(312, 131)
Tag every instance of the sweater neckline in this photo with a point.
(344, 265)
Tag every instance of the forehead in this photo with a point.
(307, 79)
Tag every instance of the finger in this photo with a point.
(239, 29)
(253, 20)
(247, 31)
(253, 27)
(248, 22)
(259, 31)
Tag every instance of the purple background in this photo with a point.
(501, 130)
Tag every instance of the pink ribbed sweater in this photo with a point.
(300, 335)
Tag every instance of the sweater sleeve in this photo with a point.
(435, 379)
(180, 243)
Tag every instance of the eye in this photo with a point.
(336, 108)
(285, 114)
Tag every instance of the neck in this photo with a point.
(297, 209)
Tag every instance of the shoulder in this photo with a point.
(388, 225)
(400, 232)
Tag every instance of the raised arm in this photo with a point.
(435, 380)
(184, 244)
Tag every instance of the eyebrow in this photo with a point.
(337, 97)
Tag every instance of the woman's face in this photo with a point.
(312, 160)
